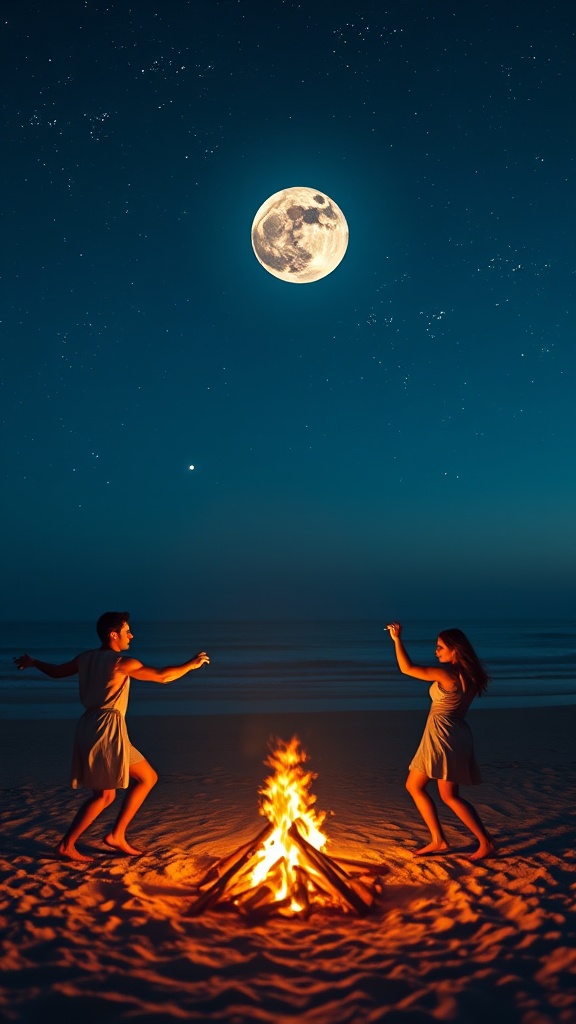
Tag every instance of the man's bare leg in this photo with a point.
(144, 778)
(416, 785)
(88, 812)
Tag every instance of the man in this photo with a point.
(103, 758)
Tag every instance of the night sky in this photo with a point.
(394, 440)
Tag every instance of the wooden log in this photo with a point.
(339, 884)
(365, 867)
(242, 880)
(299, 894)
(273, 881)
(354, 881)
(320, 891)
(261, 906)
(333, 861)
(330, 893)
(267, 910)
(221, 866)
(260, 897)
(216, 891)
(363, 889)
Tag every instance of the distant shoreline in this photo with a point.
(169, 708)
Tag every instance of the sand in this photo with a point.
(450, 940)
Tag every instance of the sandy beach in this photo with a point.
(449, 939)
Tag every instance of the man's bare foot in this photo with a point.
(485, 849)
(122, 845)
(67, 851)
(424, 851)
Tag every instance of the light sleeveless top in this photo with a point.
(96, 684)
(454, 703)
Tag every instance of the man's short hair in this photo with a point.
(110, 622)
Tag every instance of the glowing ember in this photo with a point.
(284, 868)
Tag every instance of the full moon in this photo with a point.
(299, 235)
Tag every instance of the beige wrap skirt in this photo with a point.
(102, 752)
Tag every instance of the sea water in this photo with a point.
(290, 666)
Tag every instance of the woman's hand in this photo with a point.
(395, 630)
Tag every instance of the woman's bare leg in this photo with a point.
(89, 811)
(144, 778)
(416, 785)
(450, 794)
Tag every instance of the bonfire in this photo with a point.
(284, 869)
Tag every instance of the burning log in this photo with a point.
(260, 902)
(216, 891)
(283, 869)
(273, 883)
(336, 879)
(217, 870)
(300, 897)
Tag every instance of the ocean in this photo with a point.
(309, 666)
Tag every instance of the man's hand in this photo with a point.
(25, 661)
(201, 659)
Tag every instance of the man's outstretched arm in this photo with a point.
(69, 668)
(136, 670)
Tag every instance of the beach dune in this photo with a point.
(448, 940)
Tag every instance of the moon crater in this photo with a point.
(299, 235)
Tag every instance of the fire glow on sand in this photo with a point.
(284, 869)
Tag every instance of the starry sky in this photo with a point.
(394, 440)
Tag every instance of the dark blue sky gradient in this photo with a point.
(396, 439)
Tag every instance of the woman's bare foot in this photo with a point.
(485, 849)
(440, 847)
(67, 851)
(122, 845)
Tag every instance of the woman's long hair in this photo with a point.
(473, 668)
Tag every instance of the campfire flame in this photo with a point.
(284, 869)
(285, 799)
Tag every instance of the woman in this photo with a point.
(446, 751)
